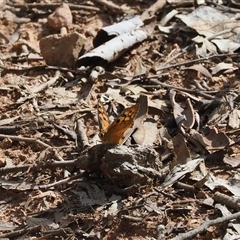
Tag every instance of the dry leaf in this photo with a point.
(180, 150)
(179, 171)
(200, 68)
(184, 118)
(211, 139)
(234, 119)
(233, 161)
(221, 66)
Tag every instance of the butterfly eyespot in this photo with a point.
(100, 135)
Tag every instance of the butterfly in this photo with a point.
(113, 133)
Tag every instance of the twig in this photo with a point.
(186, 187)
(71, 134)
(16, 233)
(153, 9)
(9, 129)
(54, 5)
(110, 5)
(39, 67)
(25, 139)
(131, 218)
(186, 49)
(30, 167)
(208, 223)
(224, 8)
(224, 199)
(206, 94)
(60, 182)
(82, 134)
(47, 84)
(164, 67)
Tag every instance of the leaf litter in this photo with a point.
(179, 164)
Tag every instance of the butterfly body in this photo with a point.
(113, 133)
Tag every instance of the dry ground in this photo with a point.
(44, 193)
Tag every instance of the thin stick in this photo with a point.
(203, 228)
(110, 5)
(82, 133)
(30, 167)
(60, 182)
(206, 94)
(16, 233)
(54, 5)
(25, 139)
(164, 67)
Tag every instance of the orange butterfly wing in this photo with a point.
(114, 133)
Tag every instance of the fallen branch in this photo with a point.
(25, 139)
(54, 5)
(47, 84)
(111, 6)
(30, 167)
(203, 228)
(60, 182)
(164, 67)
(226, 200)
(17, 233)
(206, 94)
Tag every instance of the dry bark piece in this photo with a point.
(58, 50)
(61, 17)
(110, 32)
(71, 134)
(113, 49)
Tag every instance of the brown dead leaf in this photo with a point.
(221, 66)
(200, 68)
(184, 118)
(211, 139)
(140, 70)
(180, 170)
(180, 150)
